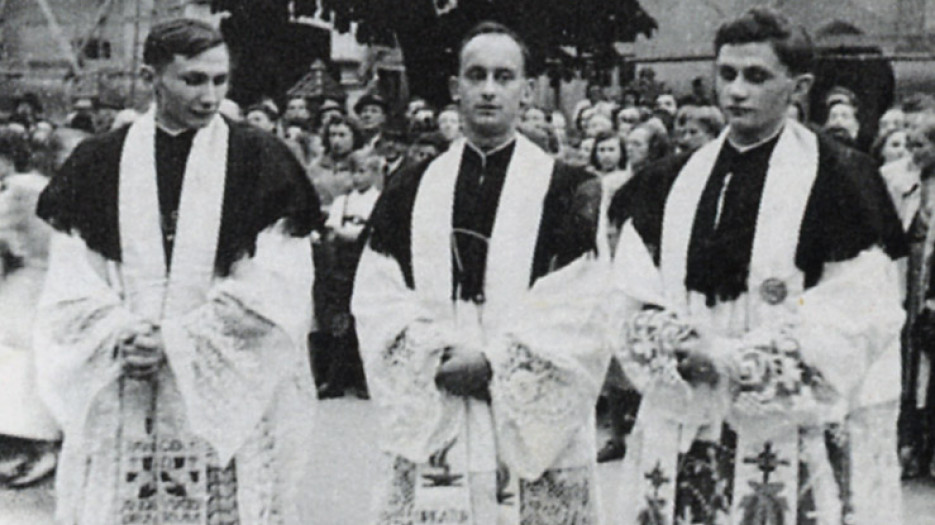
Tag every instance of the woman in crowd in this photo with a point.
(330, 173)
(890, 146)
(646, 143)
(449, 123)
(695, 126)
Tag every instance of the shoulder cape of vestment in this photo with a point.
(568, 228)
(848, 211)
(264, 183)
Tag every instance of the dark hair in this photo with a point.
(15, 147)
(876, 149)
(604, 136)
(264, 109)
(659, 143)
(181, 36)
(917, 103)
(341, 121)
(791, 43)
(496, 28)
(546, 114)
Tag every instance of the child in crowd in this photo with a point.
(347, 218)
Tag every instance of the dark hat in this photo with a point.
(331, 104)
(29, 98)
(369, 99)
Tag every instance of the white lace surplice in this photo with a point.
(847, 327)
(236, 385)
(528, 456)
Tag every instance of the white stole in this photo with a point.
(790, 177)
(509, 266)
(153, 412)
(150, 291)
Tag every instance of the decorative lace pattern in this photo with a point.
(657, 344)
(771, 379)
(417, 417)
(534, 389)
(559, 497)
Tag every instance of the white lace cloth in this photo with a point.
(238, 349)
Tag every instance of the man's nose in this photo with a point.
(210, 93)
(737, 88)
(489, 87)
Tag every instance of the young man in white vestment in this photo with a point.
(171, 329)
(763, 312)
(479, 309)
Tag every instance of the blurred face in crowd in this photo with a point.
(391, 148)
(586, 147)
(692, 135)
(297, 109)
(920, 144)
(413, 107)
(534, 116)
(595, 93)
(449, 124)
(260, 120)
(361, 175)
(608, 154)
(422, 152)
(597, 124)
(372, 117)
(627, 118)
(559, 123)
(892, 119)
(330, 114)
(754, 90)
(189, 91)
(491, 87)
(637, 146)
(666, 102)
(895, 147)
(341, 138)
(844, 117)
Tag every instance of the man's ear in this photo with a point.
(803, 83)
(529, 89)
(453, 88)
(148, 74)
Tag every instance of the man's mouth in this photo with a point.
(737, 111)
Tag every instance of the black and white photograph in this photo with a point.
(467, 262)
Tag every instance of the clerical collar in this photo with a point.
(749, 147)
(492, 151)
(171, 132)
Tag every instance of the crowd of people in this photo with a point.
(503, 279)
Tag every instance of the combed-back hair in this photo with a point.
(791, 43)
(490, 27)
(180, 36)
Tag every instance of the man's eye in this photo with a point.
(476, 75)
(504, 76)
(221, 80)
(727, 74)
(194, 80)
(757, 76)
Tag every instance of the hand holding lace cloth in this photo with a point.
(770, 378)
(662, 349)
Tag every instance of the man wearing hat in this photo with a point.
(371, 114)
